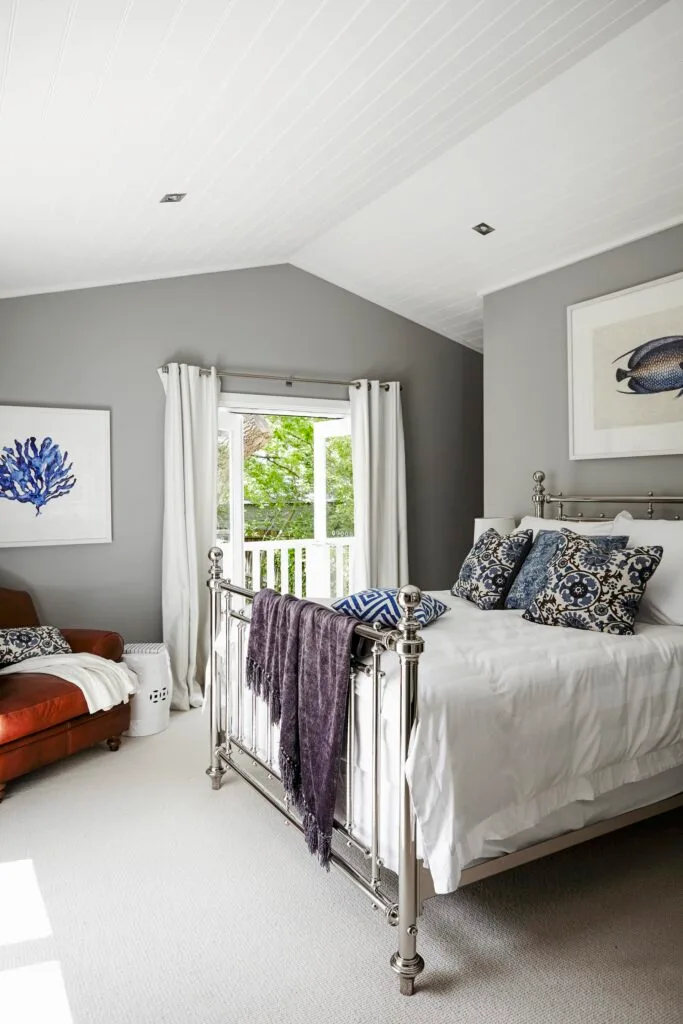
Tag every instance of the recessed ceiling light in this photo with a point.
(173, 197)
(483, 228)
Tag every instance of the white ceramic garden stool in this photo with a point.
(151, 705)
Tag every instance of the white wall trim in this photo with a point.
(168, 275)
(584, 255)
(292, 405)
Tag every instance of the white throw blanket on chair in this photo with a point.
(103, 683)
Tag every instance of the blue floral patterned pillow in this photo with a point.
(491, 566)
(589, 588)
(532, 577)
(30, 642)
(379, 605)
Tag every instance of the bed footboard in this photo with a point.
(231, 748)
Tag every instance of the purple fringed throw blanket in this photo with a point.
(298, 659)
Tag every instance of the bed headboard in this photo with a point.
(542, 498)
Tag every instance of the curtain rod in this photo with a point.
(288, 381)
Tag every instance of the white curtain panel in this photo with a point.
(190, 454)
(380, 549)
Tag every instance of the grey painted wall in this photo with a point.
(101, 347)
(525, 380)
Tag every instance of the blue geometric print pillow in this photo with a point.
(534, 572)
(488, 571)
(380, 605)
(30, 642)
(589, 589)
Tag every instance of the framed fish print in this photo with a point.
(55, 485)
(626, 372)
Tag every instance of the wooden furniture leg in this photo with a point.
(114, 742)
(3, 787)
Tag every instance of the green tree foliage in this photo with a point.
(339, 487)
(278, 484)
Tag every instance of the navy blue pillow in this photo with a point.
(533, 575)
(587, 590)
(491, 566)
(381, 605)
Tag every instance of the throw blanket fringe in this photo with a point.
(298, 660)
(259, 681)
(317, 841)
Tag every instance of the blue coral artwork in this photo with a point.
(35, 472)
(55, 477)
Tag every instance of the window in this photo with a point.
(285, 493)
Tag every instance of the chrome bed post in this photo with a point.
(216, 770)
(407, 962)
(538, 496)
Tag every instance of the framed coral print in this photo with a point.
(55, 477)
(626, 372)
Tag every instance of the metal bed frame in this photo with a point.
(230, 748)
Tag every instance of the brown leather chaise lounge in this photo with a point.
(44, 718)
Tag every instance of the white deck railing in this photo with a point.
(310, 569)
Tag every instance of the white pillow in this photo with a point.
(603, 528)
(663, 598)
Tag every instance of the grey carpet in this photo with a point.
(170, 903)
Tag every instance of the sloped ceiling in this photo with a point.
(359, 140)
(593, 159)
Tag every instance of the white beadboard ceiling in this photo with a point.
(593, 159)
(358, 139)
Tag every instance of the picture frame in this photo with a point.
(625, 372)
(55, 476)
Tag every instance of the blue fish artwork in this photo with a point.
(653, 367)
(34, 474)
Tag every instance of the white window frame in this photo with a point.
(284, 405)
(231, 407)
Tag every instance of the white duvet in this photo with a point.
(518, 720)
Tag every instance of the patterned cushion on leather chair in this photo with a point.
(23, 642)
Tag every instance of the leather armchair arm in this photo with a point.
(95, 641)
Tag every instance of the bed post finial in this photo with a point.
(409, 598)
(216, 560)
(407, 962)
(538, 496)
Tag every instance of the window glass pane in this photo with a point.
(292, 501)
(278, 477)
(339, 487)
